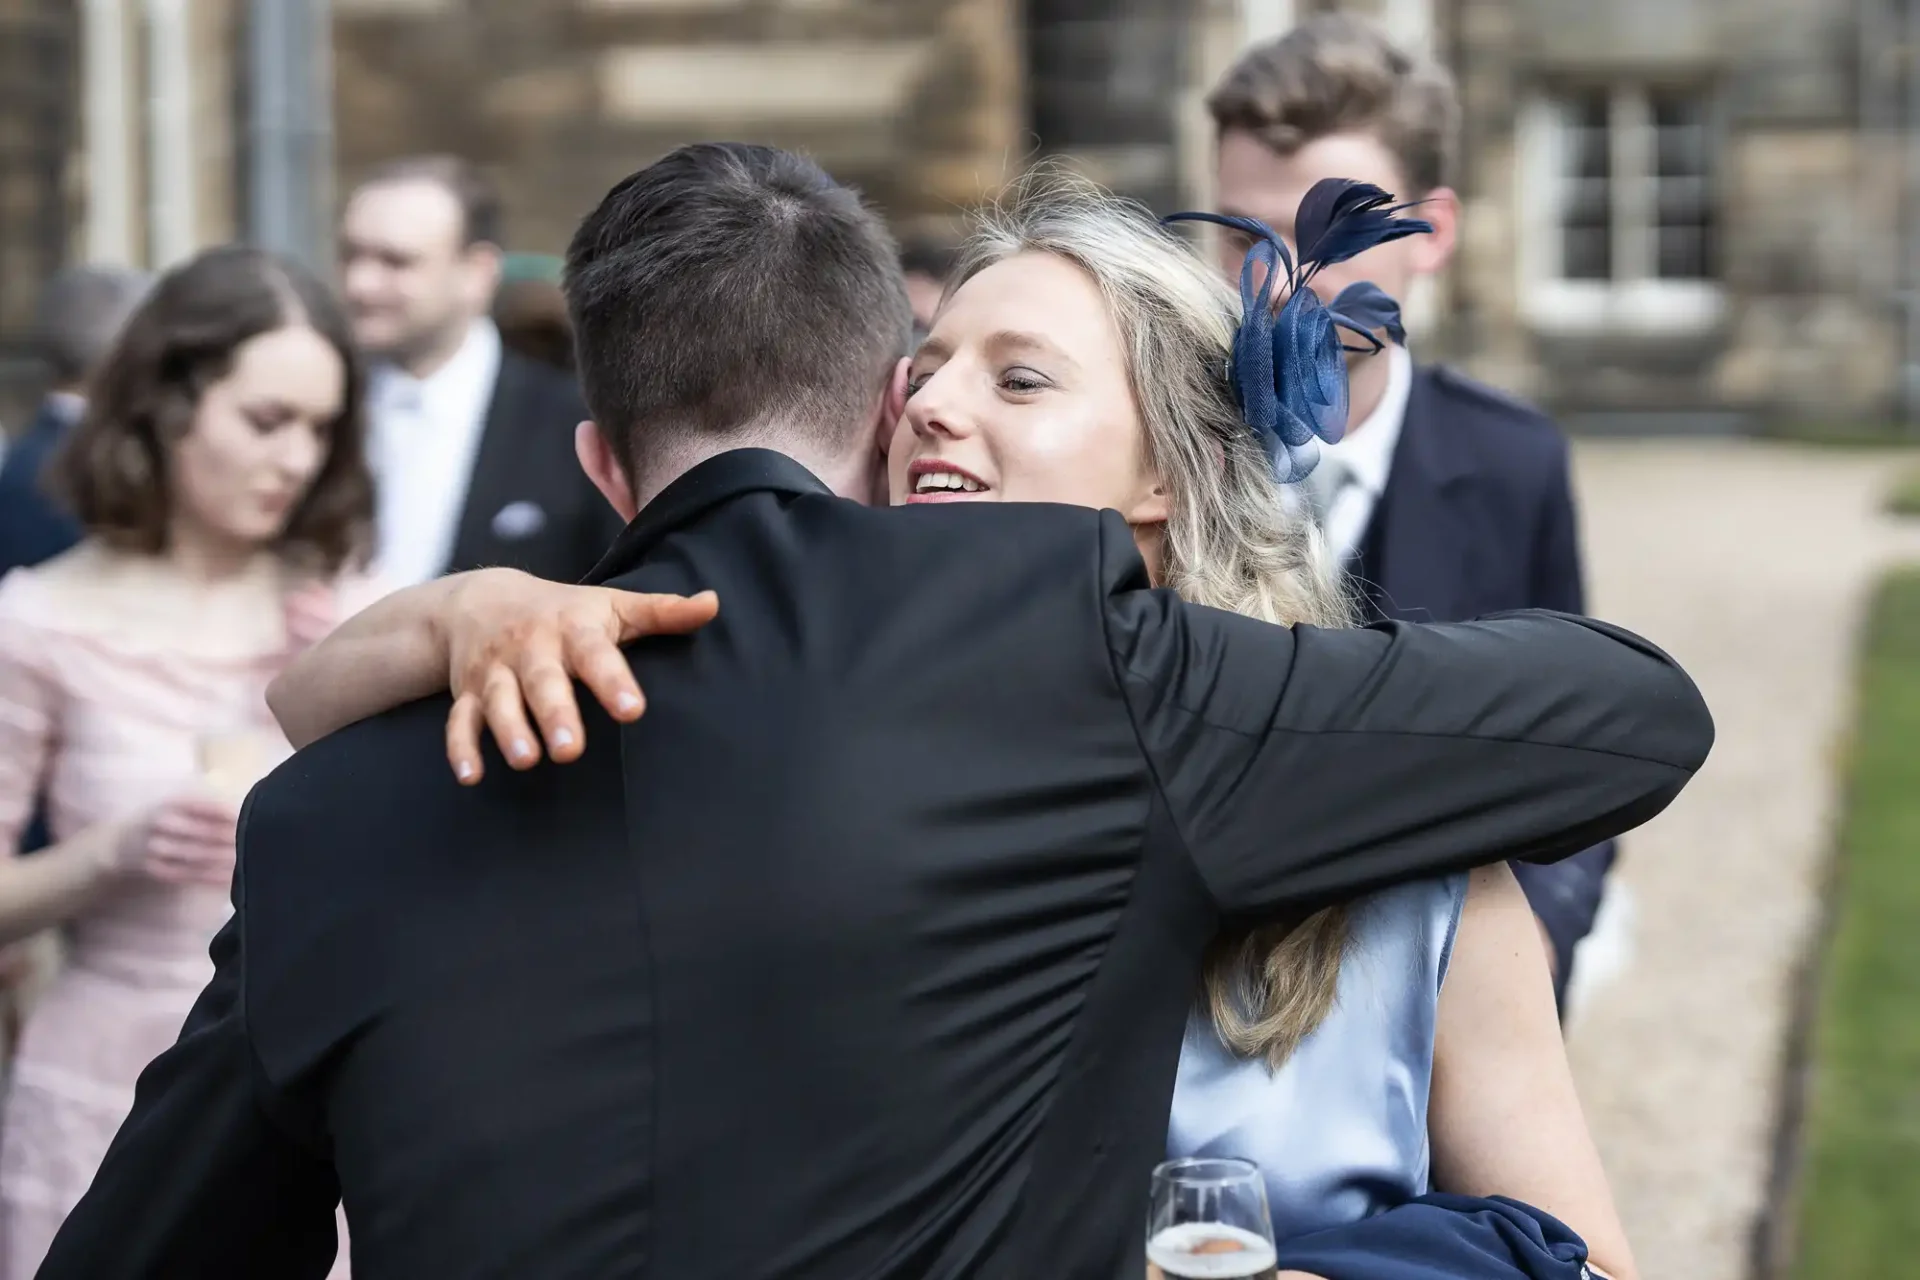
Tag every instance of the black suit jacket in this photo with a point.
(868, 950)
(1478, 518)
(528, 504)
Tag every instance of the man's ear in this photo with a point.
(893, 404)
(886, 419)
(597, 459)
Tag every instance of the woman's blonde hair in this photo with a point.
(1230, 540)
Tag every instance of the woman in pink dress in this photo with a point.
(221, 479)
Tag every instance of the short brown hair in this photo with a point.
(482, 219)
(730, 287)
(113, 468)
(1337, 73)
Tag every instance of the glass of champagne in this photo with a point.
(232, 758)
(1208, 1220)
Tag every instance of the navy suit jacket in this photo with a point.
(1478, 512)
(32, 526)
(1478, 518)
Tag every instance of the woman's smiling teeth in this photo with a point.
(946, 482)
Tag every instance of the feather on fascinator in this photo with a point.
(1286, 368)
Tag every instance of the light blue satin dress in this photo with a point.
(1341, 1129)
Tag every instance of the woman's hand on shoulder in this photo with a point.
(516, 643)
(499, 640)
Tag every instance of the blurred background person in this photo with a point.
(926, 261)
(472, 444)
(220, 479)
(1447, 499)
(80, 313)
(531, 312)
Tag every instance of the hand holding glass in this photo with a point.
(1207, 1220)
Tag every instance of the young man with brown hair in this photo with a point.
(1448, 499)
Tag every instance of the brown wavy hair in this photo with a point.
(114, 468)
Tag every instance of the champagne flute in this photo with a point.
(237, 754)
(1208, 1220)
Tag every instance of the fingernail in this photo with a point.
(563, 737)
(465, 771)
(627, 702)
(521, 749)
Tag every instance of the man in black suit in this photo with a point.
(1449, 500)
(867, 952)
(472, 445)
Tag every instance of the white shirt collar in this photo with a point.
(1367, 449)
(425, 438)
(475, 364)
(70, 405)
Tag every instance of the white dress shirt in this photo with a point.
(1352, 475)
(70, 405)
(423, 438)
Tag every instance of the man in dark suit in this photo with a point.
(868, 950)
(1448, 500)
(80, 314)
(472, 445)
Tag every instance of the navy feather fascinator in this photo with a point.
(1286, 368)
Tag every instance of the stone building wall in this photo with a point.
(37, 59)
(1805, 200)
(920, 103)
(931, 105)
(1105, 80)
(53, 208)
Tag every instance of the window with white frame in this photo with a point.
(1616, 196)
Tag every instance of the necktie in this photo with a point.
(1338, 502)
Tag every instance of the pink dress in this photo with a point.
(110, 727)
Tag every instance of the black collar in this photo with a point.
(717, 480)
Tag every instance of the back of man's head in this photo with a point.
(82, 310)
(733, 294)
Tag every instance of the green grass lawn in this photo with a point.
(1840, 435)
(1905, 498)
(1860, 1185)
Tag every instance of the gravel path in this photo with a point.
(1752, 564)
